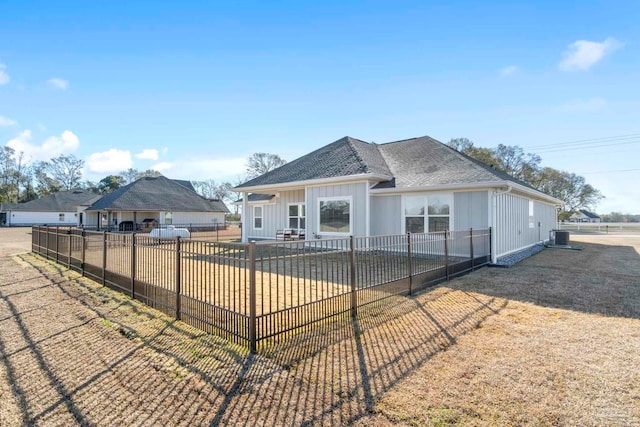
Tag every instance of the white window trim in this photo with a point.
(329, 199)
(61, 217)
(253, 219)
(299, 204)
(403, 221)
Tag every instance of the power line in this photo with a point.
(553, 150)
(613, 171)
(588, 141)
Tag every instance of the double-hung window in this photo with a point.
(430, 213)
(257, 217)
(297, 216)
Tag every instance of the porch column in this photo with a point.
(243, 217)
(493, 221)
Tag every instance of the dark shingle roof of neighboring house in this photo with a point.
(6, 206)
(63, 201)
(415, 162)
(589, 214)
(185, 183)
(344, 157)
(157, 194)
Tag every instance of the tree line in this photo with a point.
(571, 188)
(21, 181)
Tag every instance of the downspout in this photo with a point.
(494, 222)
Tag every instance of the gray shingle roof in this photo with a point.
(157, 194)
(344, 157)
(424, 161)
(415, 162)
(589, 214)
(63, 201)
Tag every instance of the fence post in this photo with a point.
(57, 242)
(471, 249)
(446, 253)
(46, 243)
(178, 278)
(104, 257)
(253, 342)
(352, 259)
(69, 249)
(133, 266)
(409, 263)
(83, 249)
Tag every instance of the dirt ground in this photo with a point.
(554, 340)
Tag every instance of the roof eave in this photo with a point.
(489, 185)
(312, 182)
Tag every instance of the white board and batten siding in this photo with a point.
(469, 210)
(22, 218)
(521, 222)
(357, 193)
(386, 215)
(275, 214)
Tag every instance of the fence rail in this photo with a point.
(255, 294)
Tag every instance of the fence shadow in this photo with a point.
(110, 360)
(600, 279)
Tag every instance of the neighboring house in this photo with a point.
(55, 209)
(351, 187)
(154, 200)
(584, 216)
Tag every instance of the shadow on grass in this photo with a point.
(600, 279)
(332, 375)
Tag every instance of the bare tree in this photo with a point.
(261, 163)
(67, 170)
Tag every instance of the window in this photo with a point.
(335, 216)
(257, 217)
(168, 218)
(427, 213)
(297, 216)
(61, 217)
(532, 221)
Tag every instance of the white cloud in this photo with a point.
(58, 83)
(4, 77)
(148, 153)
(162, 166)
(51, 147)
(202, 169)
(509, 70)
(583, 54)
(583, 106)
(6, 121)
(112, 160)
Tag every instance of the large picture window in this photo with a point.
(257, 217)
(297, 216)
(335, 216)
(427, 213)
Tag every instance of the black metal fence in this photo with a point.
(255, 294)
(218, 230)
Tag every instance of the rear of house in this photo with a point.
(419, 185)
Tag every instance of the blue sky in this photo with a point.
(194, 88)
